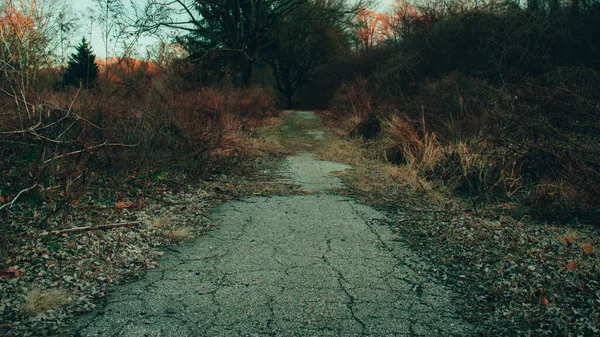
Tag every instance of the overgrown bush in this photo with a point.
(533, 142)
(55, 145)
(495, 102)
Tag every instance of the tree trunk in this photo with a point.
(247, 73)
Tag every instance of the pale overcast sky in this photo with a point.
(93, 30)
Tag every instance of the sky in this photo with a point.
(92, 30)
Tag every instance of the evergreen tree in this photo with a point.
(82, 68)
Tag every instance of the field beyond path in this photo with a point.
(309, 265)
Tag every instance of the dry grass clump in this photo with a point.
(345, 151)
(162, 223)
(265, 146)
(39, 300)
(407, 176)
(172, 232)
(384, 183)
(180, 234)
(418, 149)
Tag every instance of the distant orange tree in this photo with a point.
(372, 28)
(30, 32)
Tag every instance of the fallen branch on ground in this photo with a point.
(202, 258)
(18, 195)
(91, 228)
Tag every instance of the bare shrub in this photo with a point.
(343, 151)
(532, 142)
(546, 127)
(407, 145)
(356, 98)
(38, 300)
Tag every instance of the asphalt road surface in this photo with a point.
(304, 265)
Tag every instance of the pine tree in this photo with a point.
(82, 68)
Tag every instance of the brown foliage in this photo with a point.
(60, 143)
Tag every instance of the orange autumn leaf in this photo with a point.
(568, 241)
(545, 301)
(7, 275)
(16, 271)
(588, 249)
(571, 265)
(124, 204)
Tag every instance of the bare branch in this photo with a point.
(17, 196)
(92, 228)
(106, 143)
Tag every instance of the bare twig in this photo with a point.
(203, 258)
(92, 228)
(106, 143)
(18, 195)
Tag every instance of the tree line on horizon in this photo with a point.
(294, 44)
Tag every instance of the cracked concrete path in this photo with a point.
(309, 265)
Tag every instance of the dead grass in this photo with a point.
(407, 176)
(418, 149)
(265, 146)
(382, 176)
(39, 300)
(180, 234)
(162, 223)
(384, 183)
(345, 151)
(171, 231)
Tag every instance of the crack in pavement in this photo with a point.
(344, 289)
(301, 265)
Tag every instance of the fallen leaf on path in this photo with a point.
(16, 271)
(571, 265)
(7, 275)
(568, 241)
(124, 204)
